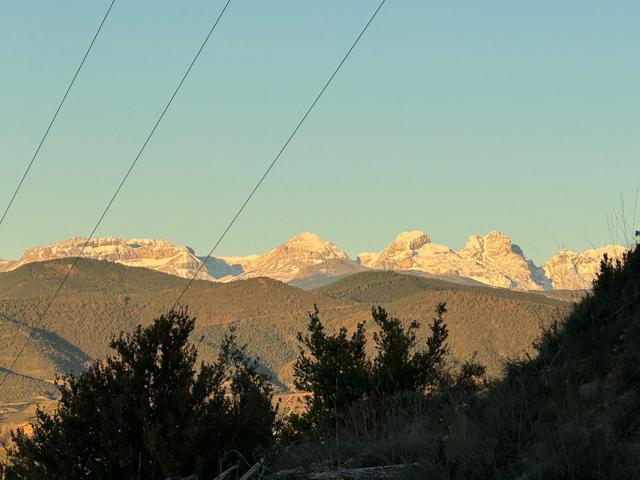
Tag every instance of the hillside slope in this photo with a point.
(385, 286)
(102, 299)
(495, 323)
(583, 389)
(571, 411)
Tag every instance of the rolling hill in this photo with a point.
(103, 298)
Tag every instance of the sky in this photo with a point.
(450, 117)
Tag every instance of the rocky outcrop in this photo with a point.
(569, 270)
(301, 256)
(159, 255)
(504, 262)
(491, 259)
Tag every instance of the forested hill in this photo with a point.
(101, 299)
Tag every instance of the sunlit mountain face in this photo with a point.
(491, 259)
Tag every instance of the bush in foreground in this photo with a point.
(349, 391)
(570, 411)
(147, 412)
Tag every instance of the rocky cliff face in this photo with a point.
(159, 255)
(569, 270)
(491, 259)
(303, 255)
(502, 258)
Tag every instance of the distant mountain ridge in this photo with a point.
(159, 255)
(491, 259)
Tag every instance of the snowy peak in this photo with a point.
(307, 241)
(411, 240)
(226, 268)
(501, 257)
(159, 255)
(493, 244)
(491, 259)
(291, 259)
(569, 270)
(399, 254)
(303, 255)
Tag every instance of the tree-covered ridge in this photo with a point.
(102, 299)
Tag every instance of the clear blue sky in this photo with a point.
(451, 117)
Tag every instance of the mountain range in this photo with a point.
(308, 261)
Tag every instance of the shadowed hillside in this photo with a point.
(494, 323)
(567, 411)
(376, 287)
(102, 299)
(21, 386)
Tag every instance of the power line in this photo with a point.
(121, 184)
(277, 157)
(55, 115)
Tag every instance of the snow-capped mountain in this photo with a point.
(501, 257)
(225, 268)
(491, 259)
(159, 255)
(569, 270)
(302, 256)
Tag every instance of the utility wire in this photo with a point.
(115, 194)
(55, 115)
(277, 157)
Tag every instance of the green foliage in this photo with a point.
(147, 412)
(332, 366)
(397, 367)
(385, 287)
(571, 411)
(335, 369)
(568, 412)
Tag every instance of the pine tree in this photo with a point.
(333, 367)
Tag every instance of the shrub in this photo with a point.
(335, 369)
(332, 366)
(397, 366)
(147, 412)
